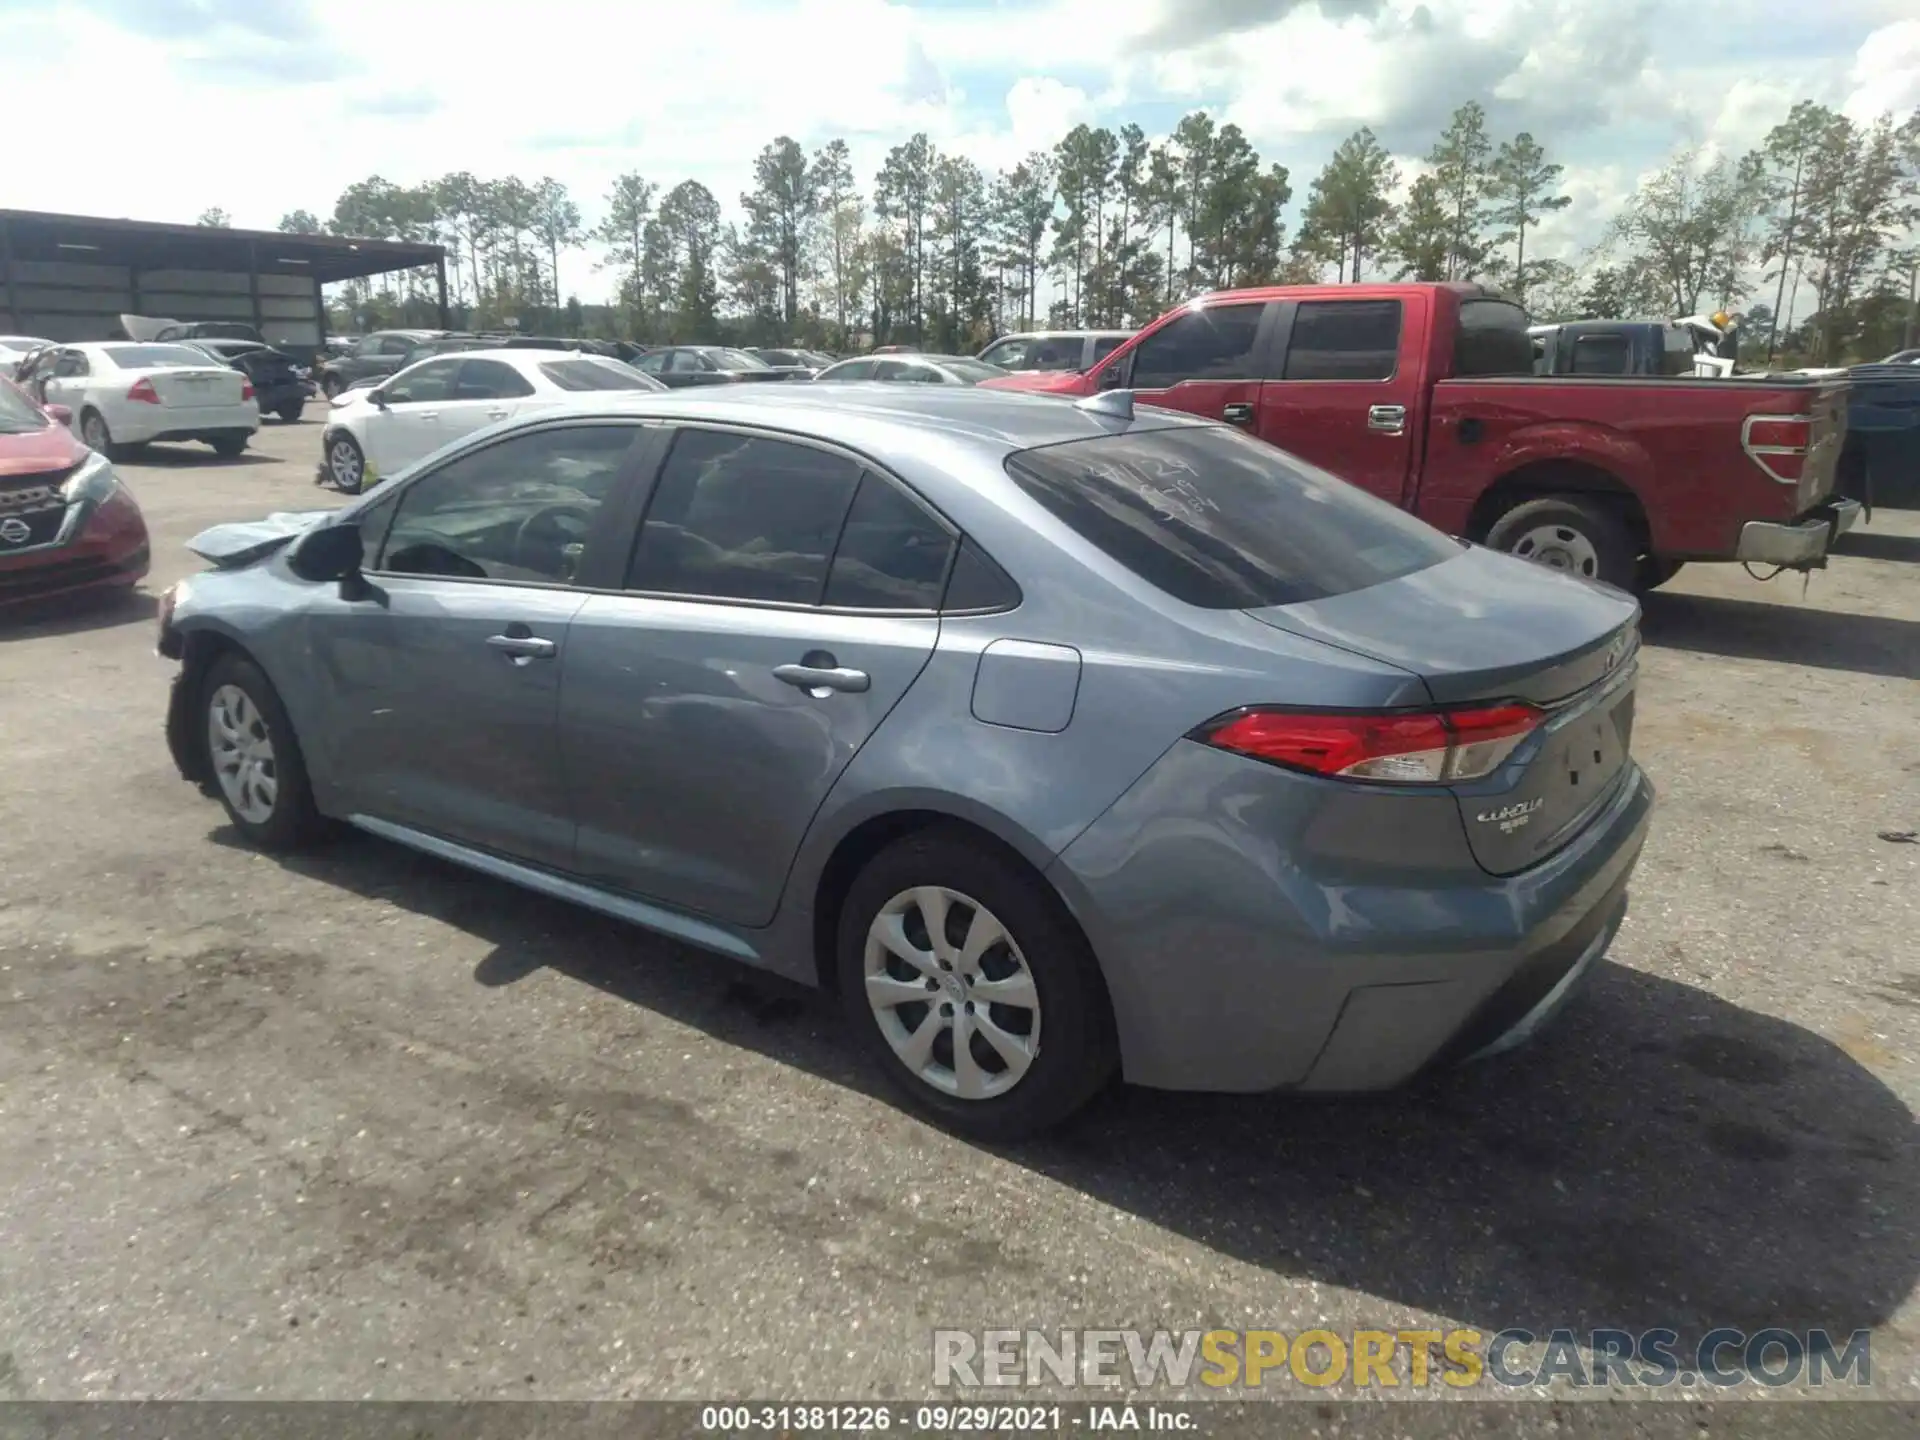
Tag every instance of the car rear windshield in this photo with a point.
(594, 375)
(1492, 339)
(134, 357)
(1224, 521)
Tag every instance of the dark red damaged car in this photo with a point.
(67, 524)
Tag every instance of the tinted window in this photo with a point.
(744, 518)
(892, 554)
(518, 510)
(1106, 345)
(490, 380)
(1224, 521)
(1676, 356)
(423, 384)
(652, 364)
(977, 583)
(596, 375)
(1492, 340)
(727, 359)
(1344, 340)
(687, 361)
(1214, 343)
(1602, 355)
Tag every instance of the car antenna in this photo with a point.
(1115, 404)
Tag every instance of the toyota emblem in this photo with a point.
(14, 531)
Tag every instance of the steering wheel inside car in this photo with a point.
(551, 539)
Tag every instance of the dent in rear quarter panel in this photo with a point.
(1236, 906)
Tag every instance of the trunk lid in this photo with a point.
(1485, 628)
(183, 388)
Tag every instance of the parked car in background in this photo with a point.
(810, 361)
(67, 524)
(680, 366)
(380, 353)
(1899, 357)
(123, 394)
(1424, 395)
(894, 350)
(14, 349)
(278, 385)
(1296, 867)
(377, 431)
(151, 327)
(1054, 349)
(914, 369)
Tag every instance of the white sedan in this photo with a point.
(376, 431)
(127, 393)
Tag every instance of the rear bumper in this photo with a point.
(276, 397)
(1799, 543)
(182, 422)
(1318, 947)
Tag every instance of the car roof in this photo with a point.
(882, 420)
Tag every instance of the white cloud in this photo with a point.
(586, 89)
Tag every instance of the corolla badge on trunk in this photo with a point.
(1510, 817)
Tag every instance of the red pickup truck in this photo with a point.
(1425, 395)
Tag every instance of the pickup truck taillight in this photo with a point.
(1778, 444)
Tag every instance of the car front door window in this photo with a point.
(519, 510)
(427, 383)
(1214, 342)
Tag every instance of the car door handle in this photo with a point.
(1387, 419)
(818, 680)
(524, 647)
(426, 414)
(498, 414)
(1238, 413)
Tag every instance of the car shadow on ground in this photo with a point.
(1659, 1157)
(193, 457)
(76, 614)
(1878, 545)
(1788, 634)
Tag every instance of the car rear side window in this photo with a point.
(743, 517)
(1492, 339)
(1224, 521)
(490, 380)
(1215, 342)
(892, 554)
(1344, 340)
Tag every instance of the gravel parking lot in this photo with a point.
(360, 1124)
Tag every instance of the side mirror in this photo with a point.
(333, 552)
(60, 414)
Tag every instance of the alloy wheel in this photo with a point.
(241, 747)
(93, 430)
(345, 465)
(952, 993)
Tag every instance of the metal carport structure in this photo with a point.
(69, 277)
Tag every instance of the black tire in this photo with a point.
(346, 464)
(1589, 534)
(95, 435)
(228, 447)
(290, 414)
(1075, 1057)
(293, 821)
(1653, 572)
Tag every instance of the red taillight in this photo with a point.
(246, 390)
(1432, 748)
(1778, 444)
(144, 392)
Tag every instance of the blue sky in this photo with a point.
(184, 94)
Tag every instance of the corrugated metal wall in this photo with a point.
(65, 301)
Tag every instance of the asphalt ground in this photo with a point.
(360, 1124)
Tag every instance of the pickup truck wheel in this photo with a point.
(1563, 533)
(1653, 572)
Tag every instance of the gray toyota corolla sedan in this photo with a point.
(1060, 740)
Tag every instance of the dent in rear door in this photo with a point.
(1347, 396)
(695, 767)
